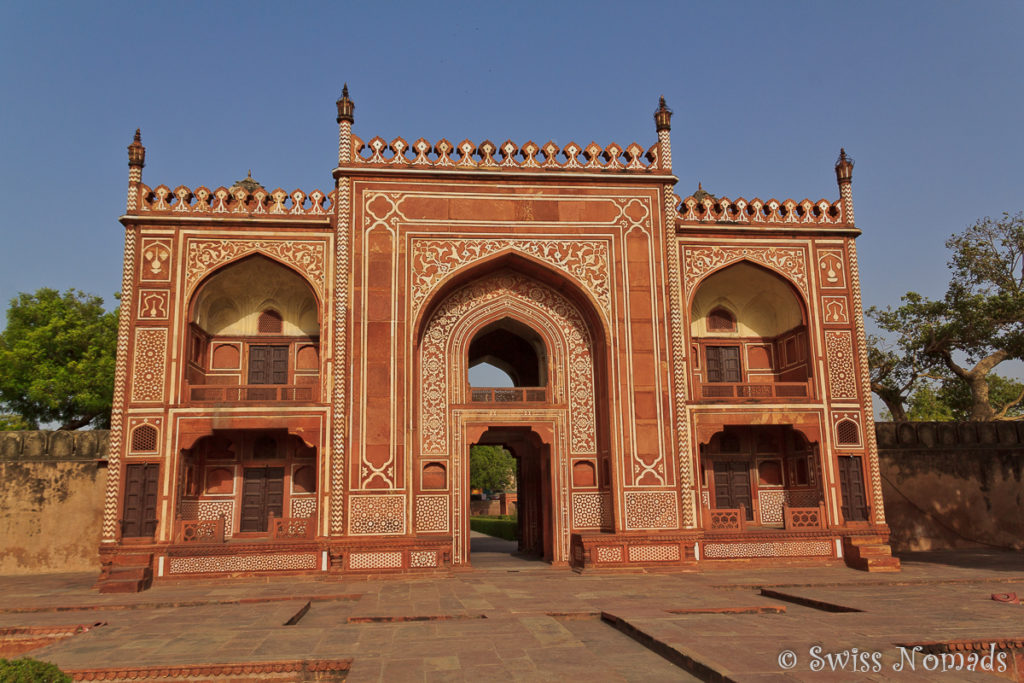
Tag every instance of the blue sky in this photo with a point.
(926, 96)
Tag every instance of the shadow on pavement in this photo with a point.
(989, 559)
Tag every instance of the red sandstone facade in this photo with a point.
(292, 391)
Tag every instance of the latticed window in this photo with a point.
(144, 439)
(721, 320)
(847, 433)
(269, 322)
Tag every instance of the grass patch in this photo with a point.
(501, 526)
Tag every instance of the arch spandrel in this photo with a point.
(578, 268)
(203, 257)
(700, 262)
(451, 326)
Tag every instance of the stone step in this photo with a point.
(865, 540)
(137, 560)
(875, 551)
(131, 573)
(125, 586)
(882, 564)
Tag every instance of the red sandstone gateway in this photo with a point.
(292, 381)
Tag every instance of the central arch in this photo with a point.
(551, 347)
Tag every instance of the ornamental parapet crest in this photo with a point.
(234, 202)
(488, 156)
(707, 209)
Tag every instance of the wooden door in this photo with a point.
(732, 486)
(851, 485)
(140, 499)
(262, 495)
(724, 364)
(268, 365)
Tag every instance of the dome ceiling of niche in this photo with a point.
(230, 301)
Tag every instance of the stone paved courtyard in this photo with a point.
(510, 618)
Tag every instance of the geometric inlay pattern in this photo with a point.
(422, 558)
(771, 501)
(591, 510)
(609, 553)
(432, 513)
(148, 364)
(768, 549)
(303, 508)
(653, 553)
(383, 560)
(376, 515)
(651, 510)
(841, 372)
(242, 563)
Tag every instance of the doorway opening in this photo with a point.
(532, 508)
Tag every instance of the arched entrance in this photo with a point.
(545, 343)
(534, 491)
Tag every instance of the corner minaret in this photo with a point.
(663, 124)
(345, 120)
(136, 161)
(844, 176)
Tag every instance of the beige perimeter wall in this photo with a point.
(51, 500)
(952, 485)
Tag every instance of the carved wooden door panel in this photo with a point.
(851, 484)
(140, 499)
(732, 486)
(724, 364)
(268, 365)
(262, 495)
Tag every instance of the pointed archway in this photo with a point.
(540, 336)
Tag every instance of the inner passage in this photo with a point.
(507, 363)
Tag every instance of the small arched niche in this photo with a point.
(254, 322)
(514, 349)
(750, 325)
(761, 303)
(236, 299)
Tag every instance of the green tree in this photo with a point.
(979, 323)
(950, 399)
(28, 670)
(13, 423)
(895, 374)
(57, 359)
(491, 468)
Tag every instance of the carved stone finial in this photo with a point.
(345, 106)
(663, 116)
(844, 167)
(136, 152)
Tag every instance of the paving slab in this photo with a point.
(544, 624)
